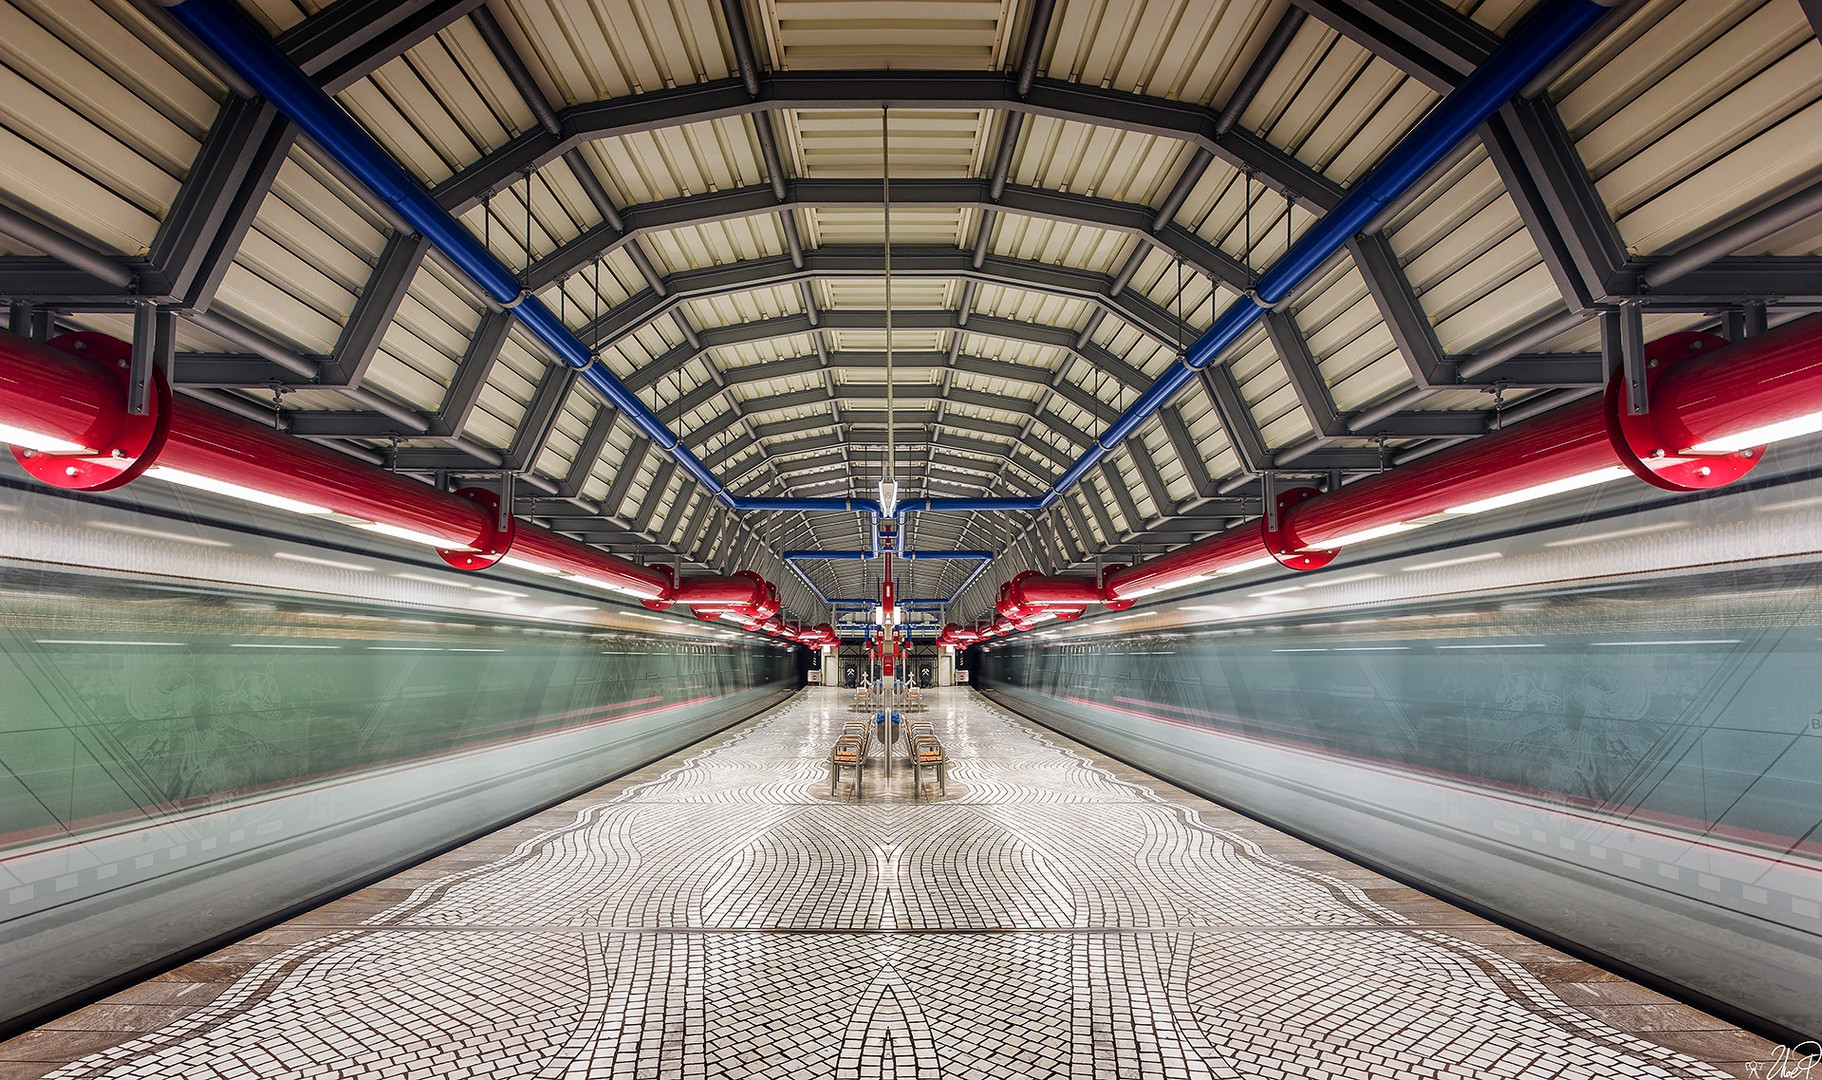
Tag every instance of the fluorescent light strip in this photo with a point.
(82, 641)
(155, 534)
(1515, 645)
(27, 439)
(1320, 582)
(1793, 504)
(1373, 648)
(233, 491)
(1759, 436)
(275, 645)
(428, 580)
(1300, 650)
(1618, 534)
(1463, 561)
(315, 561)
(404, 648)
(497, 592)
(1542, 491)
(1672, 644)
(1364, 535)
(1250, 564)
(408, 535)
(1273, 592)
(526, 564)
(477, 650)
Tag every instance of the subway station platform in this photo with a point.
(1055, 915)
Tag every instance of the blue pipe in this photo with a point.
(1551, 29)
(795, 555)
(912, 555)
(1527, 52)
(227, 32)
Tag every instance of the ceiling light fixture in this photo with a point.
(233, 491)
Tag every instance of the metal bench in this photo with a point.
(927, 754)
(850, 753)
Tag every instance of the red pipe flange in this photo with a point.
(1287, 548)
(494, 545)
(1653, 445)
(122, 450)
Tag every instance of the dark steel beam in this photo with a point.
(348, 40)
(587, 454)
(1420, 37)
(1188, 453)
(1236, 418)
(375, 309)
(534, 428)
(472, 373)
(706, 101)
(1403, 313)
(1558, 202)
(1306, 378)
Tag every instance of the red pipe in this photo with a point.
(72, 398)
(1717, 392)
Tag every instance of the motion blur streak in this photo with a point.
(284, 741)
(1617, 742)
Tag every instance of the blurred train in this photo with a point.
(208, 721)
(1597, 717)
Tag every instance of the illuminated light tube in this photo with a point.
(63, 396)
(1365, 535)
(1542, 491)
(1769, 385)
(233, 491)
(411, 536)
(26, 439)
(540, 568)
(1795, 427)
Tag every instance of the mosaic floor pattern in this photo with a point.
(718, 915)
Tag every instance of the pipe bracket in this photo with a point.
(123, 454)
(494, 545)
(1648, 444)
(1282, 545)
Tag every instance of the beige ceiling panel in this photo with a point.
(1665, 65)
(1499, 16)
(1044, 358)
(1024, 305)
(1517, 303)
(1372, 381)
(1113, 395)
(911, 225)
(1089, 159)
(77, 204)
(760, 352)
(1252, 356)
(716, 243)
(726, 309)
(1060, 243)
(671, 162)
(926, 143)
(1283, 104)
(591, 50)
(68, 141)
(272, 307)
(1190, 52)
(869, 293)
(1783, 158)
(61, 67)
(806, 35)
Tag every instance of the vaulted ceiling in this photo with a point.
(696, 186)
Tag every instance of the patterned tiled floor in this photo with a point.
(1055, 915)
